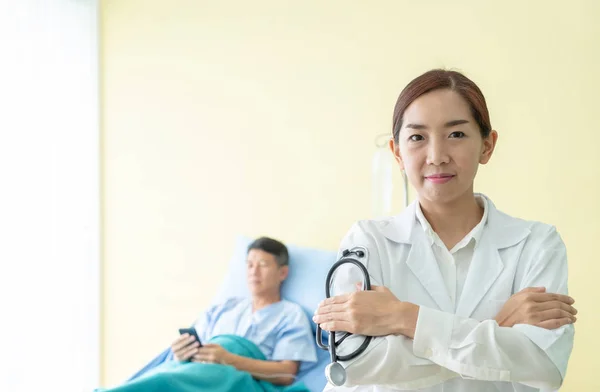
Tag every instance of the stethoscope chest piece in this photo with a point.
(336, 374)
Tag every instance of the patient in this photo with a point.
(262, 339)
(279, 328)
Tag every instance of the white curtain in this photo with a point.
(49, 196)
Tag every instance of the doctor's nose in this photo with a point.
(437, 153)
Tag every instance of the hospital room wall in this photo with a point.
(235, 117)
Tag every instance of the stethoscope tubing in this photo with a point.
(367, 284)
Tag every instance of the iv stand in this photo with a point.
(381, 142)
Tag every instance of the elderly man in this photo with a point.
(278, 327)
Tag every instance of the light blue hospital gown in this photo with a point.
(281, 330)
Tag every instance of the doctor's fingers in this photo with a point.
(338, 299)
(325, 309)
(331, 317)
(556, 305)
(554, 314)
(555, 323)
(545, 297)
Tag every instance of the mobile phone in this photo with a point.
(191, 331)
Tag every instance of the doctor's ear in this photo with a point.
(395, 148)
(489, 143)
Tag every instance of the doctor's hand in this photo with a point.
(375, 312)
(184, 347)
(212, 353)
(534, 306)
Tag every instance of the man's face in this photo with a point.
(264, 275)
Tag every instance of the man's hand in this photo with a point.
(212, 353)
(534, 306)
(184, 347)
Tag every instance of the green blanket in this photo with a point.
(175, 376)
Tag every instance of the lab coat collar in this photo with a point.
(474, 235)
(501, 231)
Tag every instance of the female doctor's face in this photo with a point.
(440, 146)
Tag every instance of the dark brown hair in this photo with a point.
(272, 246)
(437, 79)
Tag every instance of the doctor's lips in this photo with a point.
(440, 178)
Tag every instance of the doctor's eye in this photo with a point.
(415, 138)
(457, 135)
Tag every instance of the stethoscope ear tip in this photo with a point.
(335, 374)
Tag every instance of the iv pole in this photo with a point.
(382, 177)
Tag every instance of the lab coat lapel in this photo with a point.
(404, 228)
(485, 268)
(501, 231)
(421, 261)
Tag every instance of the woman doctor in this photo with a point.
(467, 298)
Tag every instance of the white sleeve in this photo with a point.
(524, 354)
(388, 360)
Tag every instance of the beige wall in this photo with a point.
(256, 117)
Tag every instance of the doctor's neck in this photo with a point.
(263, 300)
(456, 218)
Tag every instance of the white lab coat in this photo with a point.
(462, 348)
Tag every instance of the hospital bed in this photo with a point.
(304, 286)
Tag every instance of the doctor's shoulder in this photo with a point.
(537, 234)
(540, 258)
(378, 229)
(379, 237)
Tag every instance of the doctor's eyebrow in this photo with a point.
(449, 124)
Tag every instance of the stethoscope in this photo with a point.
(335, 372)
